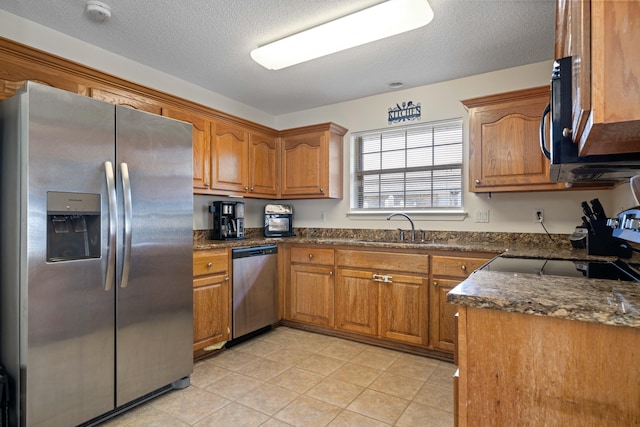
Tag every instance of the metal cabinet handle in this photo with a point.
(321, 190)
(382, 278)
(435, 284)
(246, 188)
(210, 265)
(331, 273)
(477, 181)
(251, 189)
(463, 267)
(128, 218)
(113, 207)
(310, 256)
(226, 279)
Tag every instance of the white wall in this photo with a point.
(508, 212)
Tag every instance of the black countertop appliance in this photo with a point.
(597, 235)
(278, 221)
(228, 220)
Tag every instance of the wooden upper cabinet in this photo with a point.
(230, 158)
(312, 162)
(16, 67)
(264, 156)
(201, 146)
(504, 147)
(126, 99)
(602, 38)
(9, 87)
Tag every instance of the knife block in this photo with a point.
(602, 244)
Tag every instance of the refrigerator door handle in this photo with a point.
(111, 248)
(128, 215)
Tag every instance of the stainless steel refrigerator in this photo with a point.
(96, 256)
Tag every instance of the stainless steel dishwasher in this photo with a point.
(255, 288)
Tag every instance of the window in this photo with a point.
(412, 168)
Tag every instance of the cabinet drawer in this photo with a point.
(384, 261)
(318, 256)
(210, 262)
(455, 266)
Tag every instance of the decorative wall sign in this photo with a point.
(408, 111)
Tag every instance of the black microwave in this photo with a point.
(278, 221)
(565, 163)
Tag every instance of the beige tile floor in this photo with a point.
(289, 377)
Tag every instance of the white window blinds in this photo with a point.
(413, 168)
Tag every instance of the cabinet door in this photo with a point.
(454, 269)
(601, 37)
(504, 147)
(580, 51)
(229, 158)
(311, 294)
(443, 323)
(356, 301)
(9, 87)
(201, 146)
(403, 309)
(126, 99)
(210, 310)
(263, 165)
(305, 164)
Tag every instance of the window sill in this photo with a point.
(443, 215)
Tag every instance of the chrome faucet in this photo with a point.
(413, 228)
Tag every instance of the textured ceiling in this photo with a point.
(207, 42)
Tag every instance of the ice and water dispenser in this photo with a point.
(73, 226)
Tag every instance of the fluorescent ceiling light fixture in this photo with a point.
(377, 22)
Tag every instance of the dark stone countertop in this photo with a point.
(608, 302)
(514, 244)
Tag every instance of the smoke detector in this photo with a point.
(98, 11)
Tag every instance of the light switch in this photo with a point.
(482, 215)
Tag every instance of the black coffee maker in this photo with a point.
(228, 220)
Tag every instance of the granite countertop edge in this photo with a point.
(608, 302)
(445, 246)
(490, 247)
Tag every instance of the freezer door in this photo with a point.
(67, 348)
(154, 270)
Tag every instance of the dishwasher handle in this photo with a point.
(252, 251)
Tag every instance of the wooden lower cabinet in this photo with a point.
(447, 272)
(310, 291)
(394, 298)
(211, 298)
(403, 309)
(525, 370)
(378, 294)
(356, 301)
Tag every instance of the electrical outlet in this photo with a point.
(482, 215)
(538, 215)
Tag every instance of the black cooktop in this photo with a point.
(616, 270)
